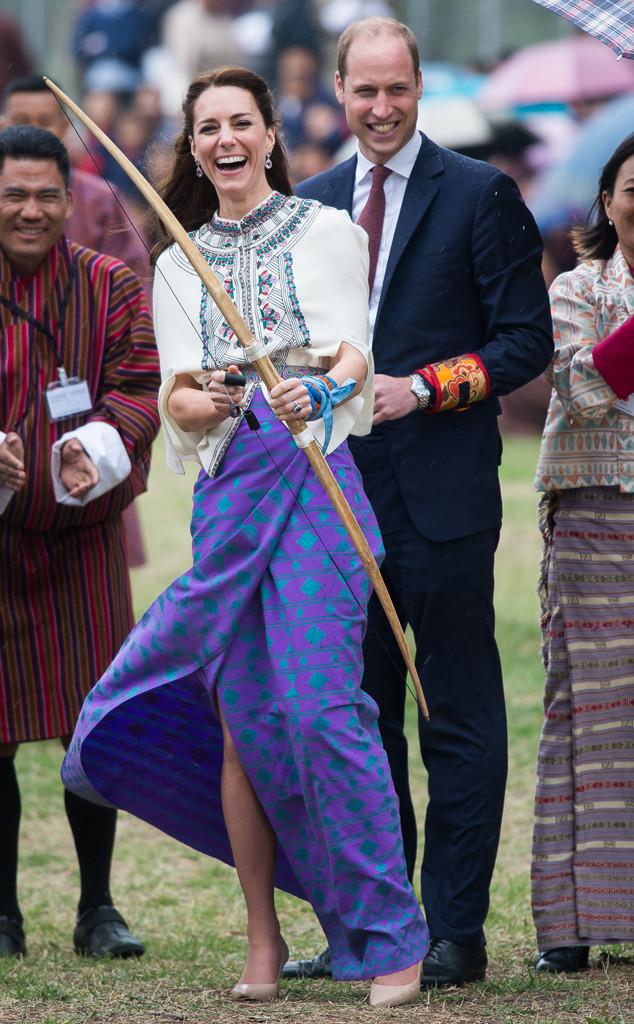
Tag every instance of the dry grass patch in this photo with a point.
(189, 911)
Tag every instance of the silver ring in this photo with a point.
(297, 407)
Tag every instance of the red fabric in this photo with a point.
(614, 359)
(102, 220)
(66, 606)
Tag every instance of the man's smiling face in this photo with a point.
(34, 205)
(380, 93)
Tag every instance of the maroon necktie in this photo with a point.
(372, 214)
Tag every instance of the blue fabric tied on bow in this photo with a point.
(317, 388)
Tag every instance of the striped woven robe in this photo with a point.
(65, 605)
(583, 843)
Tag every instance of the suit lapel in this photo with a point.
(340, 188)
(423, 184)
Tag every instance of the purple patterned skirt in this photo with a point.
(271, 616)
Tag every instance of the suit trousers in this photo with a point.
(444, 591)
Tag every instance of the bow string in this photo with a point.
(267, 372)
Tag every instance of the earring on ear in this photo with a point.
(611, 223)
(268, 163)
(199, 172)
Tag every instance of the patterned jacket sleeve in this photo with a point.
(581, 389)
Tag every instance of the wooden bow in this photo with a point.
(267, 373)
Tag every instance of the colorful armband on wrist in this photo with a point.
(457, 382)
(318, 386)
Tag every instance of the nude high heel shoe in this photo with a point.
(264, 992)
(395, 995)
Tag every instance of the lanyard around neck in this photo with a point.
(38, 325)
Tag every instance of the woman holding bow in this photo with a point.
(239, 691)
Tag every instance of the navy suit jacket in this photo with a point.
(463, 276)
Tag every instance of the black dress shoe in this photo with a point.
(103, 932)
(450, 964)
(318, 967)
(563, 959)
(11, 937)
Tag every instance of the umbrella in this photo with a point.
(611, 21)
(566, 191)
(454, 121)
(442, 78)
(574, 69)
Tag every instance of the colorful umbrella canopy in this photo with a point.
(611, 21)
(574, 69)
(454, 121)
(442, 78)
(565, 192)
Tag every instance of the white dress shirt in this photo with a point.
(401, 166)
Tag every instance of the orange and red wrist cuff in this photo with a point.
(457, 383)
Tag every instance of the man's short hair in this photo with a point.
(26, 83)
(376, 28)
(26, 142)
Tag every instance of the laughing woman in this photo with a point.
(239, 690)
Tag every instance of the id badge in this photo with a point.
(68, 399)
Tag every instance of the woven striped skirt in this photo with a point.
(583, 844)
(270, 619)
(65, 610)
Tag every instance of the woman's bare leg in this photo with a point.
(253, 844)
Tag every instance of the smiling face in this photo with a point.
(380, 93)
(231, 140)
(620, 208)
(34, 205)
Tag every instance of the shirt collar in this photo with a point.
(401, 163)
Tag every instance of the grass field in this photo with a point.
(188, 909)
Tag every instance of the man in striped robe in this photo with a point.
(72, 458)
(97, 220)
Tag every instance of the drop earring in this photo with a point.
(611, 223)
(268, 163)
(199, 172)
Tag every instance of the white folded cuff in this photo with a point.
(103, 444)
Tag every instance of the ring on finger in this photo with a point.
(297, 407)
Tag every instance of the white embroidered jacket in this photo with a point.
(297, 272)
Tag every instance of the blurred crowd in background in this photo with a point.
(549, 114)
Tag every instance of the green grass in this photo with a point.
(188, 909)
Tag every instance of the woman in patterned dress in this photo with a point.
(583, 844)
(239, 691)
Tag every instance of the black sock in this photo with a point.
(10, 809)
(93, 829)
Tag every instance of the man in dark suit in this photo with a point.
(460, 316)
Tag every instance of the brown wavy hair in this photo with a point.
(596, 238)
(194, 200)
